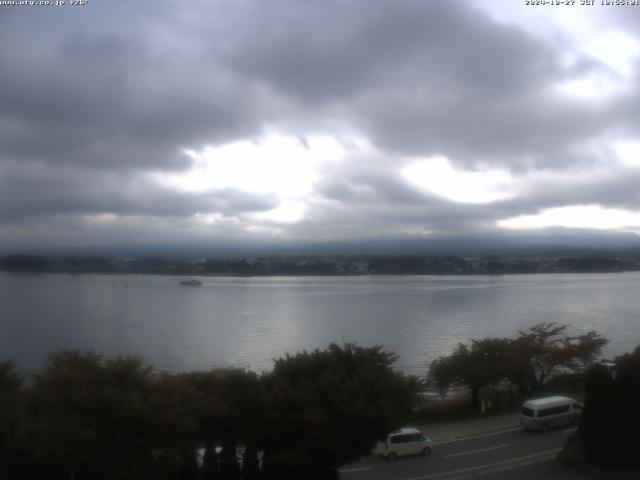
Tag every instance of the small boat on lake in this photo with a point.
(191, 282)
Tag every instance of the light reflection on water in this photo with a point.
(247, 322)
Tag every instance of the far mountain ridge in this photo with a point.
(540, 242)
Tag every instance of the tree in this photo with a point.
(595, 422)
(11, 418)
(173, 436)
(229, 409)
(229, 468)
(243, 397)
(207, 409)
(250, 463)
(210, 459)
(485, 362)
(89, 417)
(24, 263)
(329, 407)
(626, 419)
(611, 418)
(543, 350)
(528, 361)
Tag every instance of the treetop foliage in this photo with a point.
(334, 404)
(10, 381)
(89, 417)
(527, 361)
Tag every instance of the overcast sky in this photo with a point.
(164, 121)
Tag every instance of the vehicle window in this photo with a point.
(407, 437)
(577, 406)
(527, 412)
(398, 439)
(545, 412)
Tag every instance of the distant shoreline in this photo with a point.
(325, 266)
(301, 275)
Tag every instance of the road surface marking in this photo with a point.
(462, 439)
(569, 430)
(487, 465)
(359, 469)
(475, 451)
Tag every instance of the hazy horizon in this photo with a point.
(549, 242)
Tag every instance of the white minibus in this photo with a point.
(548, 412)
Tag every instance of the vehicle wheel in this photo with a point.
(545, 427)
(426, 451)
(392, 456)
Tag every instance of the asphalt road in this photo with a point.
(480, 454)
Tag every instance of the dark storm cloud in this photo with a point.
(522, 134)
(611, 190)
(91, 102)
(80, 191)
(332, 50)
(422, 77)
(104, 92)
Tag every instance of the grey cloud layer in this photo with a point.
(422, 78)
(94, 99)
(104, 92)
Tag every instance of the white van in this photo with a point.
(406, 441)
(545, 413)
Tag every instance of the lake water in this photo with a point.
(247, 322)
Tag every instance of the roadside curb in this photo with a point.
(476, 435)
(443, 432)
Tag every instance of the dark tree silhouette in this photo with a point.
(545, 350)
(611, 416)
(89, 417)
(485, 362)
(11, 419)
(250, 463)
(329, 407)
(527, 361)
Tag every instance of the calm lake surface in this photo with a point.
(247, 322)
